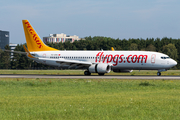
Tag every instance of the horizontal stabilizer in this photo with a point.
(28, 53)
(19, 52)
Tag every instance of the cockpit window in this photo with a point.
(165, 57)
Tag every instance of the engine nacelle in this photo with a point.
(118, 70)
(99, 68)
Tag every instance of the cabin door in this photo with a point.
(153, 58)
(44, 56)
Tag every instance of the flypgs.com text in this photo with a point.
(108, 58)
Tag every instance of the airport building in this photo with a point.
(4, 39)
(12, 47)
(56, 38)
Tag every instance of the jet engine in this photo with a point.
(99, 68)
(119, 70)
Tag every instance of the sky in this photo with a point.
(121, 19)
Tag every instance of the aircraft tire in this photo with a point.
(158, 74)
(101, 74)
(87, 73)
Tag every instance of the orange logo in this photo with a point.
(34, 35)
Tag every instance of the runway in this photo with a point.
(91, 77)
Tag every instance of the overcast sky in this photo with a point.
(110, 18)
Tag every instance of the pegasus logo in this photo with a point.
(38, 42)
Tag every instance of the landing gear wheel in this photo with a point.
(158, 74)
(100, 73)
(87, 73)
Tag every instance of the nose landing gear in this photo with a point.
(158, 73)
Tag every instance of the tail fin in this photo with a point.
(34, 43)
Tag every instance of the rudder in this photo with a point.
(34, 43)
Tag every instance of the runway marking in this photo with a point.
(92, 77)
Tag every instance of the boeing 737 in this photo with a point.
(100, 62)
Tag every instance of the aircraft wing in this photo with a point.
(72, 63)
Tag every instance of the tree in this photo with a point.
(1, 60)
(151, 48)
(133, 46)
(5, 58)
(171, 51)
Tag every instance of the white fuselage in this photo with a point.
(124, 60)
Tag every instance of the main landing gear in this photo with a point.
(158, 73)
(87, 73)
(101, 74)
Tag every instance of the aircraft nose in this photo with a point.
(174, 63)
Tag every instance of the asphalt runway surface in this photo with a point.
(90, 77)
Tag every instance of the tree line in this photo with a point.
(168, 46)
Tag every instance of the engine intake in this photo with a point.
(99, 68)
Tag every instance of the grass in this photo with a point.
(81, 72)
(89, 99)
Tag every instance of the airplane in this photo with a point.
(100, 62)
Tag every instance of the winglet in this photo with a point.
(112, 48)
(28, 53)
(34, 43)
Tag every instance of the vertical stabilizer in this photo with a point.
(34, 43)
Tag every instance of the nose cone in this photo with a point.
(173, 63)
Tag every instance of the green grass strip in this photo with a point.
(27, 99)
(81, 72)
